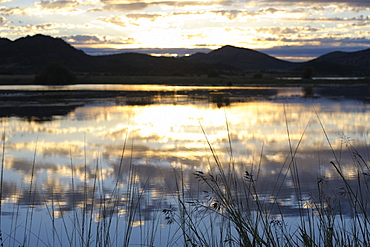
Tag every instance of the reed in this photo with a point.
(229, 208)
(236, 199)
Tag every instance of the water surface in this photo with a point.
(65, 146)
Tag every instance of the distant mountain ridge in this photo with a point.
(242, 58)
(32, 53)
(356, 60)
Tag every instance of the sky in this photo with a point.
(290, 30)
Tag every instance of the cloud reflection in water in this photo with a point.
(165, 135)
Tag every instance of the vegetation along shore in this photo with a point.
(41, 59)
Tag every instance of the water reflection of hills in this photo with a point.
(350, 92)
(44, 105)
(72, 164)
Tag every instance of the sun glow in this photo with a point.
(189, 24)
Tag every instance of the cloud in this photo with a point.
(2, 21)
(143, 15)
(268, 12)
(44, 26)
(178, 51)
(82, 39)
(135, 6)
(40, 8)
(271, 10)
(115, 20)
(9, 29)
(232, 14)
(192, 36)
(189, 3)
(12, 11)
(358, 24)
(332, 19)
(95, 39)
(125, 6)
(35, 28)
(331, 41)
(95, 10)
(355, 3)
(286, 30)
(59, 4)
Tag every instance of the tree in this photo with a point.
(55, 74)
(213, 73)
(307, 73)
(258, 76)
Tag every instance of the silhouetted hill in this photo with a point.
(4, 41)
(143, 64)
(32, 53)
(329, 68)
(242, 59)
(351, 62)
(340, 64)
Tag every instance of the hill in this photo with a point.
(242, 59)
(143, 64)
(355, 63)
(29, 55)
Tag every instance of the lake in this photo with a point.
(152, 165)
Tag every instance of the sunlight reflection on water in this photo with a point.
(55, 151)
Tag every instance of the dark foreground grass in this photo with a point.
(238, 214)
(231, 212)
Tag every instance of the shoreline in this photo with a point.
(192, 81)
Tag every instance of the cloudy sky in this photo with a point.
(283, 28)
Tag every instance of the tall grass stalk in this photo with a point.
(230, 207)
(306, 230)
(31, 199)
(75, 213)
(238, 201)
(354, 195)
(115, 191)
(226, 187)
(84, 206)
(1, 185)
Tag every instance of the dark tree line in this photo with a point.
(55, 74)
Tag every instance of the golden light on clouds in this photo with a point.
(192, 24)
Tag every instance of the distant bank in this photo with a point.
(30, 55)
(194, 80)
